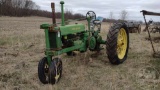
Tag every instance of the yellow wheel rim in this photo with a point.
(121, 43)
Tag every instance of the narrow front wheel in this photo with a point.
(43, 69)
(55, 71)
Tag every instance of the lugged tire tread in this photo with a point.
(111, 44)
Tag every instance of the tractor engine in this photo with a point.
(71, 34)
(68, 40)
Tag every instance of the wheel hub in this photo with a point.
(121, 43)
(92, 42)
(57, 74)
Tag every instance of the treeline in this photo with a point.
(70, 15)
(18, 8)
(21, 8)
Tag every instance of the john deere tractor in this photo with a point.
(63, 38)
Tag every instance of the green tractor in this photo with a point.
(68, 38)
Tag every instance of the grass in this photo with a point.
(3, 42)
(22, 45)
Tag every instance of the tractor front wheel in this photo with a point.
(117, 43)
(43, 69)
(55, 71)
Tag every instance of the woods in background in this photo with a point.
(18, 8)
(21, 8)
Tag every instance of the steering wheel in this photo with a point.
(91, 15)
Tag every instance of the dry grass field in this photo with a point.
(22, 45)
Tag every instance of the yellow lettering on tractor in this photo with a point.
(77, 28)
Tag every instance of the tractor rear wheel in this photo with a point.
(117, 43)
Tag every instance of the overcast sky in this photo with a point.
(104, 7)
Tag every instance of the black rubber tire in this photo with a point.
(111, 45)
(52, 70)
(41, 70)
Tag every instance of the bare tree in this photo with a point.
(36, 7)
(111, 18)
(29, 4)
(68, 14)
(123, 15)
(111, 15)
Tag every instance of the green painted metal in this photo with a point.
(71, 29)
(44, 26)
(53, 38)
(47, 44)
(57, 38)
(47, 39)
(88, 19)
(59, 52)
(62, 13)
(92, 42)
